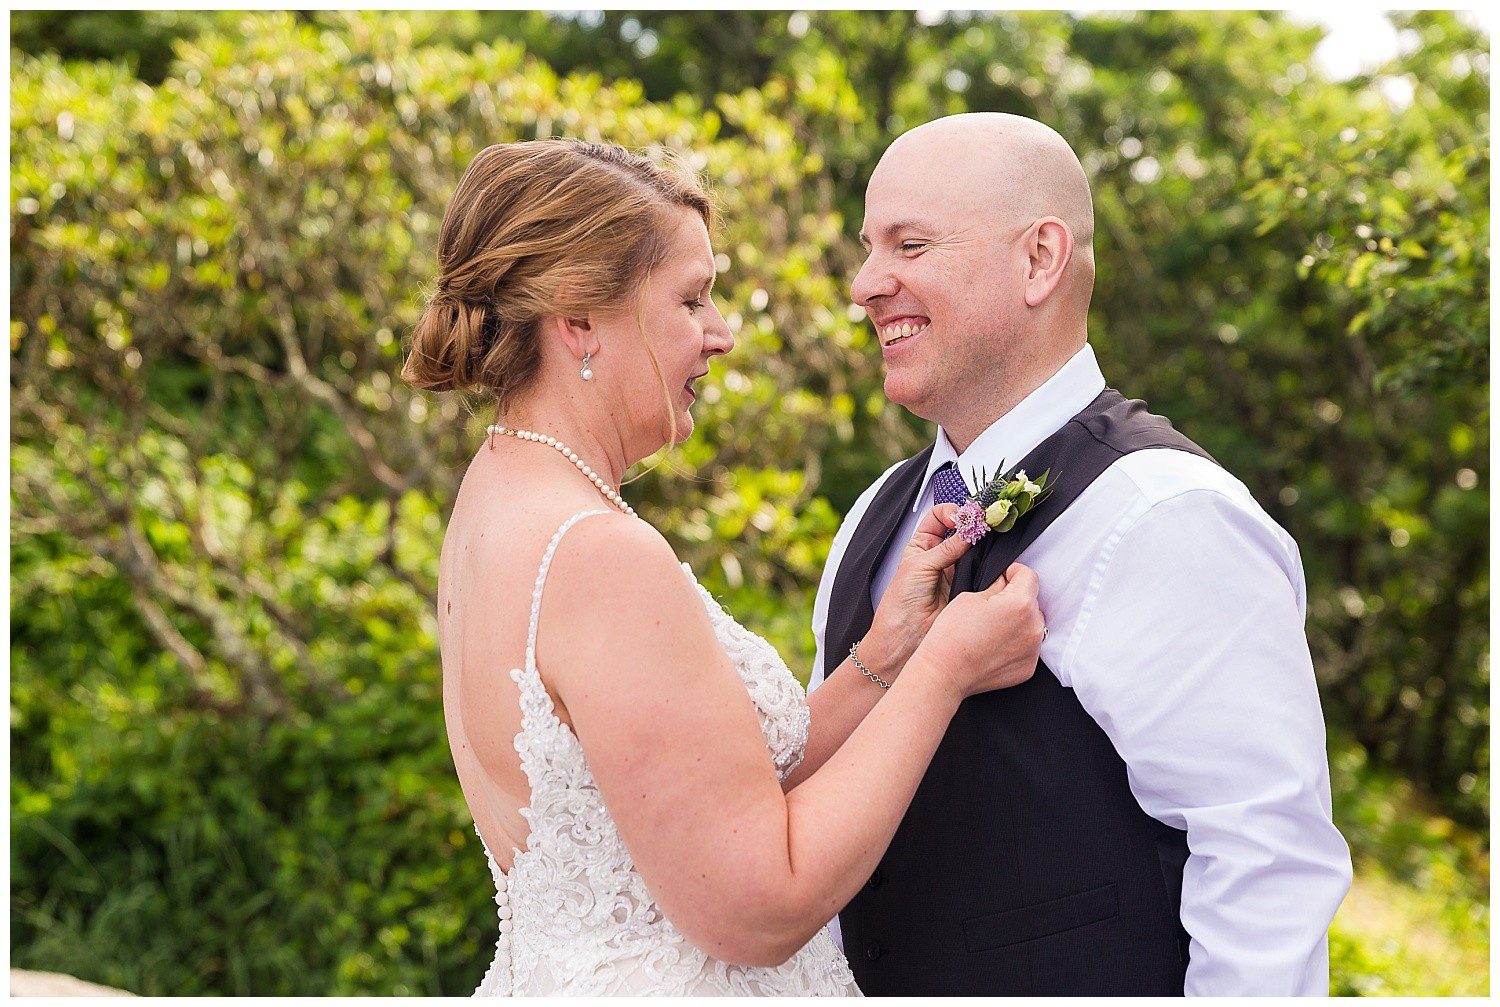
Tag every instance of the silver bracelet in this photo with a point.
(854, 655)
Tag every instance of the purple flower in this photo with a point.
(971, 524)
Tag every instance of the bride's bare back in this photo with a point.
(505, 511)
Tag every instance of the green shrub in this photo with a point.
(228, 767)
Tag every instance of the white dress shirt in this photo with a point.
(1175, 610)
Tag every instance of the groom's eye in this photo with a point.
(913, 246)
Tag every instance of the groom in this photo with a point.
(1149, 813)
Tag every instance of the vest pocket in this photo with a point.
(1011, 926)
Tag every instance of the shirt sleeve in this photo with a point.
(1190, 653)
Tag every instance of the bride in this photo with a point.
(663, 808)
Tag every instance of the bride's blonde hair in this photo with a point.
(557, 227)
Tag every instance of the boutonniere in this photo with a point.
(1000, 502)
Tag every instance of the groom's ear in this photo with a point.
(1049, 249)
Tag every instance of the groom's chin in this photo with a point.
(902, 389)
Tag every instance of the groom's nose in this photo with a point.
(873, 280)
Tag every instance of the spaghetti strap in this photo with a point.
(541, 579)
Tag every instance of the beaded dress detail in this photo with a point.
(575, 917)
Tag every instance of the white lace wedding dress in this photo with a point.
(575, 915)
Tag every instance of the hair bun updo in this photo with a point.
(535, 229)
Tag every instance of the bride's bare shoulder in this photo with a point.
(616, 554)
(616, 593)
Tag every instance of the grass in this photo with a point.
(1416, 921)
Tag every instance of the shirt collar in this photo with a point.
(1036, 417)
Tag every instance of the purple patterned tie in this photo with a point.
(948, 486)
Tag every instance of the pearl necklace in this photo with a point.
(552, 442)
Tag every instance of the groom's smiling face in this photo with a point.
(971, 278)
(934, 280)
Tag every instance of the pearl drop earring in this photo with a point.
(587, 373)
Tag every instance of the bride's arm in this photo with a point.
(745, 871)
(837, 707)
(916, 594)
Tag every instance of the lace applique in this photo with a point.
(581, 921)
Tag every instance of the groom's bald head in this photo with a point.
(1008, 168)
(980, 229)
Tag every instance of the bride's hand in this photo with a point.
(917, 593)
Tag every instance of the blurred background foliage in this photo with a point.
(229, 773)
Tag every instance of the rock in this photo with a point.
(55, 984)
